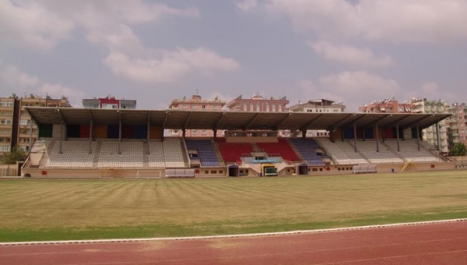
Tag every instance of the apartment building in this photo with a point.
(258, 103)
(109, 102)
(436, 134)
(387, 106)
(7, 109)
(16, 126)
(196, 103)
(318, 106)
(457, 129)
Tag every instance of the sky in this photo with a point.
(354, 51)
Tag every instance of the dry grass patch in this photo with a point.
(216, 206)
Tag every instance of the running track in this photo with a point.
(427, 244)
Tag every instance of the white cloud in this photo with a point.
(350, 54)
(415, 20)
(11, 76)
(168, 66)
(110, 24)
(14, 80)
(395, 21)
(57, 91)
(28, 24)
(247, 5)
(330, 18)
(432, 91)
(352, 88)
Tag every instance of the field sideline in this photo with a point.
(34, 210)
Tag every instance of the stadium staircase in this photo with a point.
(362, 154)
(45, 156)
(97, 153)
(145, 155)
(394, 151)
(218, 153)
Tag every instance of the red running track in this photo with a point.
(441, 243)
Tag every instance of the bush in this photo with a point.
(458, 149)
(16, 154)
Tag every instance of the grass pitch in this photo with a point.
(96, 209)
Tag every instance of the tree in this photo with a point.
(458, 149)
(16, 154)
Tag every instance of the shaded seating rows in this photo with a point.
(307, 149)
(156, 155)
(341, 152)
(205, 152)
(382, 156)
(232, 152)
(173, 152)
(280, 147)
(131, 155)
(74, 154)
(409, 151)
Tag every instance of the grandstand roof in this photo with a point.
(179, 119)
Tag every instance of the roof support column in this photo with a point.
(30, 135)
(183, 133)
(61, 137)
(377, 138)
(148, 132)
(303, 133)
(332, 135)
(418, 137)
(214, 131)
(437, 137)
(355, 137)
(397, 137)
(90, 136)
(119, 133)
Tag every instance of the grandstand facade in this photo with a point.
(109, 143)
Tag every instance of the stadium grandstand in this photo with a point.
(129, 143)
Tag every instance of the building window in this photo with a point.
(194, 132)
(6, 104)
(214, 107)
(184, 106)
(195, 107)
(203, 132)
(203, 107)
(5, 121)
